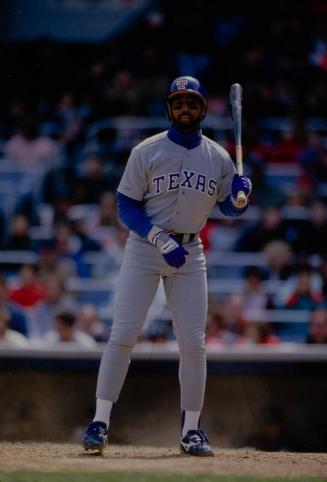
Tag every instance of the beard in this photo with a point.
(191, 126)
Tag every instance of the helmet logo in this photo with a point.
(181, 84)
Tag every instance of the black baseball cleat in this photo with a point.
(196, 443)
(95, 437)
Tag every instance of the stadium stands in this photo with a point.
(112, 96)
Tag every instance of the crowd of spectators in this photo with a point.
(50, 107)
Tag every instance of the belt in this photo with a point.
(183, 238)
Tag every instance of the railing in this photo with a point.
(18, 257)
(213, 258)
(226, 285)
(216, 123)
(288, 352)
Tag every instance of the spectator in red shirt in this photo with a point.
(304, 296)
(288, 149)
(29, 291)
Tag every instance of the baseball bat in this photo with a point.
(236, 103)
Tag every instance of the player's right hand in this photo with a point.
(172, 252)
(241, 183)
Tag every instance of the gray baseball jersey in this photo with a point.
(179, 188)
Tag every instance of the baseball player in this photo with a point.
(171, 183)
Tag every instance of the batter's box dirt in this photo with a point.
(51, 457)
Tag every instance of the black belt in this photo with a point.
(183, 238)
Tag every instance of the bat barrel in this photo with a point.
(236, 94)
(236, 103)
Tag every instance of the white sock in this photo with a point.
(191, 421)
(103, 411)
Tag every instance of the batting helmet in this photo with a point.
(186, 85)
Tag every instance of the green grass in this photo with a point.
(31, 476)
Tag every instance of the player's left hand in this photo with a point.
(172, 252)
(176, 258)
(241, 183)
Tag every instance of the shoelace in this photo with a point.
(96, 428)
(199, 437)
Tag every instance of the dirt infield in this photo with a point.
(69, 457)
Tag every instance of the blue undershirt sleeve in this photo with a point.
(132, 215)
(229, 209)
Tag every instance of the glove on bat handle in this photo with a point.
(236, 102)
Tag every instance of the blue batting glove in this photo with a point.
(176, 258)
(172, 252)
(241, 183)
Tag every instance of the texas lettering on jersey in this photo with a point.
(185, 179)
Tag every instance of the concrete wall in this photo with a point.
(56, 405)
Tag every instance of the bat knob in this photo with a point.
(241, 200)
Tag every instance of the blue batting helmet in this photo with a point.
(186, 85)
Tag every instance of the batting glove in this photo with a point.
(241, 183)
(172, 252)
